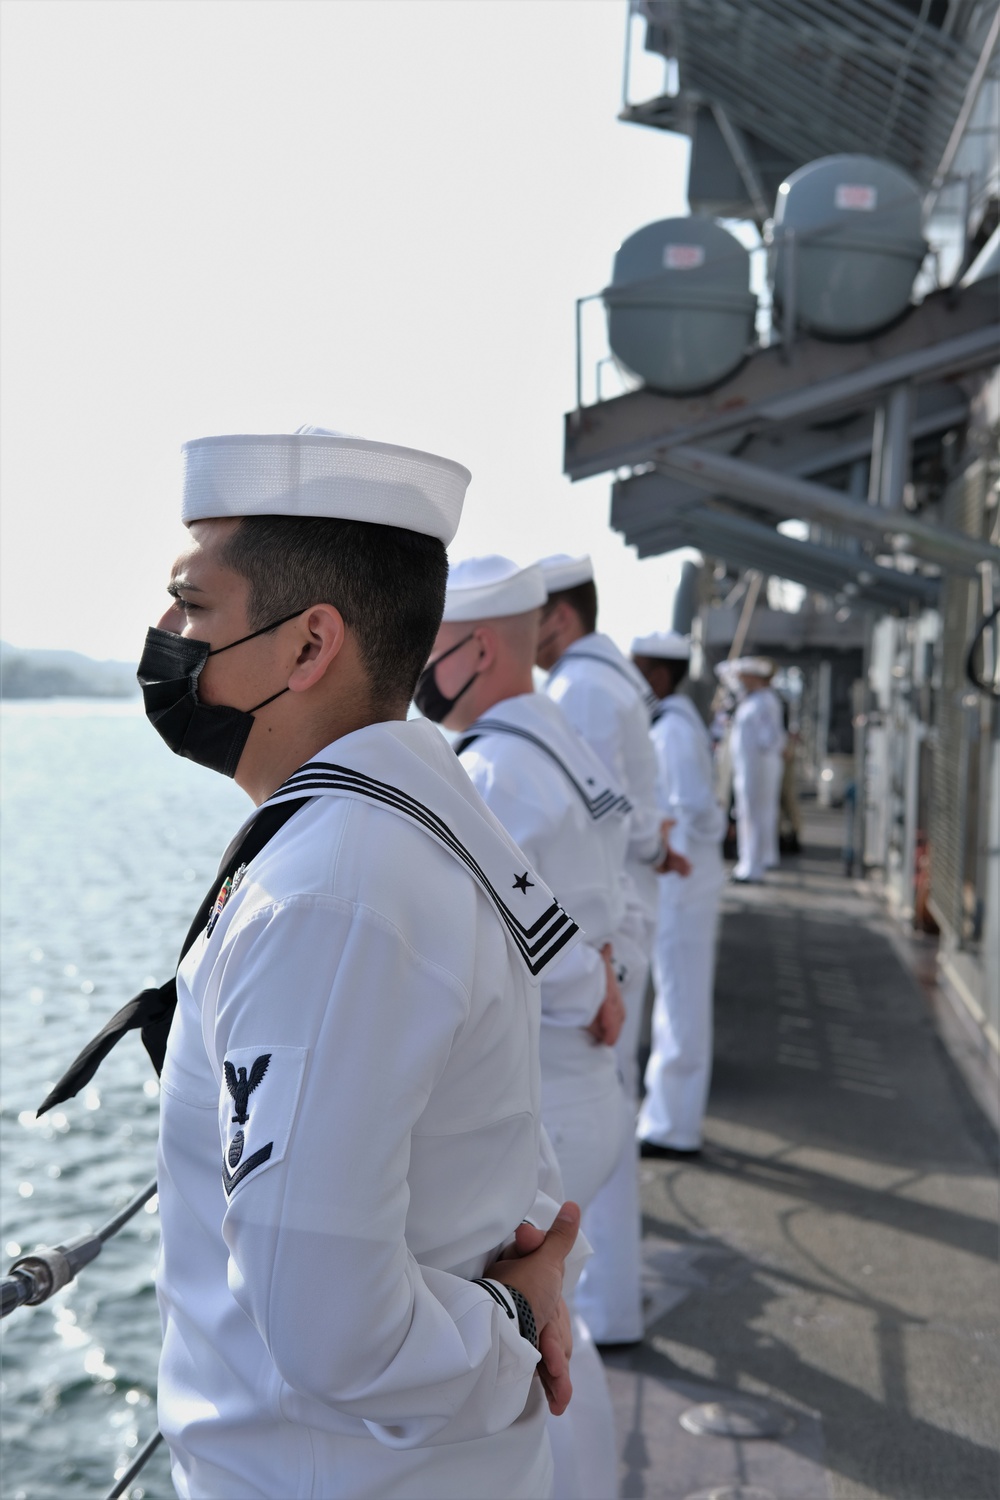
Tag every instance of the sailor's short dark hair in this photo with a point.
(677, 665)
(387, 583)
(582, 598)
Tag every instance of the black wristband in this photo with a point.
(526, 1325)
(525, 1317)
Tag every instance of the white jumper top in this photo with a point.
(349, 1132)
(556, 800)
(685, 778)
(608, 701)
(757, 732)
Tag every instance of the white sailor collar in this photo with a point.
(601, 648)
(679, 705)
(408, 768)
(535, 720)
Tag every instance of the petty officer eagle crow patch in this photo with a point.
(257, 1103)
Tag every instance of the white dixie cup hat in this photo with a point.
(318, 472)
(667, 645)
(488, 588)
(753, 666)
(564, 572)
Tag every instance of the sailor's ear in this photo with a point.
(563, 615)
(486, 644)
(321, 637)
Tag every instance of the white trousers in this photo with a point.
(587, 1137)
(584, 1445)
(680, 1063)
(609, 1292)
(757, 793)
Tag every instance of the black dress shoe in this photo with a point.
(650, 1149)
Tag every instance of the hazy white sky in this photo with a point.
(244, 215)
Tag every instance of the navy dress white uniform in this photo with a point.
(680, 1063)
(556, 800)
(608, 702)
(350, 1119)
(756, 743)
(553, 795)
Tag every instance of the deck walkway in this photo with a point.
(833, 1251)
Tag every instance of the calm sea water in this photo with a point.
(109, 843)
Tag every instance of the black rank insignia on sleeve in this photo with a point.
(241, 1085)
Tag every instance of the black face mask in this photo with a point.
(208, 733)
(429, 698)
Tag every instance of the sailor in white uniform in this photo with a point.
(555, 798)
(609, 703)
(680, 1063)
(756, 751)
(350, 1129)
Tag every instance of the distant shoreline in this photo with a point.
(43, 694)
(38, 675)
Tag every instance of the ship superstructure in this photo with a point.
(832, 451)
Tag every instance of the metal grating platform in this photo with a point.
(814, 77)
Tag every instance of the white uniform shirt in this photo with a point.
(554, 797)
(757, 731)
(608, 702)
(350, 1131)
(685, 781)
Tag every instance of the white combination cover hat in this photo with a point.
(564, 572)
(669, 645)
(488, 588)
(317, 472)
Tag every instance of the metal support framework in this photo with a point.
(652, 525)
(755, 582)
(964, 115)
(896, 447)
(733, 138)
(807, 78)
(946, 336)
(936, 361)
(784, 495)
(844, 451)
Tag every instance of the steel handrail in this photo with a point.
(35, 1278)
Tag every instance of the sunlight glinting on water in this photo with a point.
(109, 842)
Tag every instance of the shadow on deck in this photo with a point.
(834, 1249)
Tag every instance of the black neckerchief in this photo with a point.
(151, 1011)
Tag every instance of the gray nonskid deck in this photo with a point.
(833, 1251)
